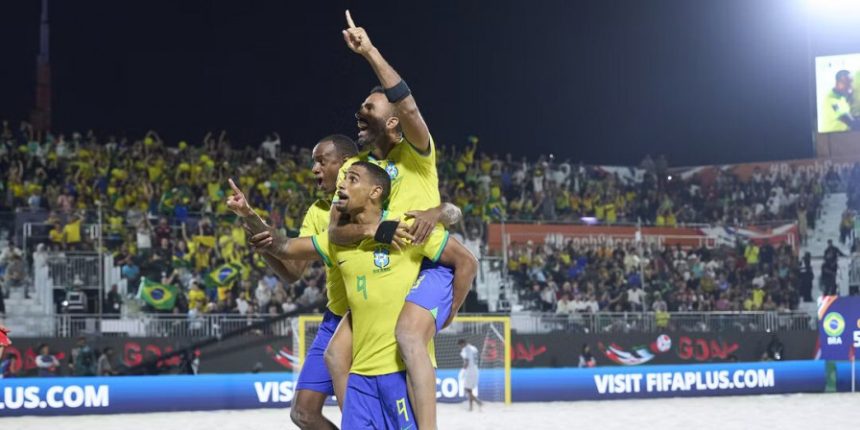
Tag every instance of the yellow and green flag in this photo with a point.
(223, 276)
(159, 296)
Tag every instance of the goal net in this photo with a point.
(491, 335)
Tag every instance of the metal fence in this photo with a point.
(202, 326)
(216, 325)
(79, 269)
(651, 322)
(854, 274)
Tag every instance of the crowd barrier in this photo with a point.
(109, 395)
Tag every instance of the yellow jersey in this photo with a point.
(414, 179)
(196, 299)
(56, 235)
(834, 106)
(316, 222)
(377, 279)
(72, 231)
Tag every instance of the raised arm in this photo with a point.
(277, 245)
(289, 270)
(287, 250)
(465, 267)
(414, 127)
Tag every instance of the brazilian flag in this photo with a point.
(182, 262)
(161, 297)
(223, 276)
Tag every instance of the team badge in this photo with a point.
(392, 171)
(380, 257)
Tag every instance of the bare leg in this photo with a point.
(415, 329)
(306, 411)
(474, 398)
(471, 399)
(338, 357)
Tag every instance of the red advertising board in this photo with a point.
(585, 235)
(745, 171)
(599, 236)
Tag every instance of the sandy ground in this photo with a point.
(795, 411)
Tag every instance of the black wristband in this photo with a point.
(385, 232)
(398, 92)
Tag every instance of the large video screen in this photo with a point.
(836, 81)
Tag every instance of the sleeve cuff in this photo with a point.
(441, 247)
(322, 254)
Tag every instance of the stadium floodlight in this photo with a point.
(833, 7)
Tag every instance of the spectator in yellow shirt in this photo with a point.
(196, 298)
(57, 235)
(751, 254)
(72, 233)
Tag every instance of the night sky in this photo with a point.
(596, 81)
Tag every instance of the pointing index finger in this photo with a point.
(349, 20)
(233, 186)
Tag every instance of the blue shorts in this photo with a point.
(314, 375)
(377, 402)
(434, 291)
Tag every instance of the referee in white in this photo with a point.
(469, 372)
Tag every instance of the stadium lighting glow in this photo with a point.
(588, 220)
(833, 6)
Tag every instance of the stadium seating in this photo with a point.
(164, 219)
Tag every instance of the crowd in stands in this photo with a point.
(848, 229)
(491, 187)
(165, 219)
(164, 211)
(566, 279)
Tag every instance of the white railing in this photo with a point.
(78, 269)
(854, 273)
(651, 322)
(216, 325)
(151, 325)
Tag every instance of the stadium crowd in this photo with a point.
(565, 279)
(165, 219)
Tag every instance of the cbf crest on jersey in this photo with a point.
(381, 259)
(392, 171)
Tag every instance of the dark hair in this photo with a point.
(461, 342)
(379, 177)
(344, 147)
(842, 74)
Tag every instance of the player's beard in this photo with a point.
(364, 142)
(374, 131)
(369, 138)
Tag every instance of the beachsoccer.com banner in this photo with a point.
(127, 394)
